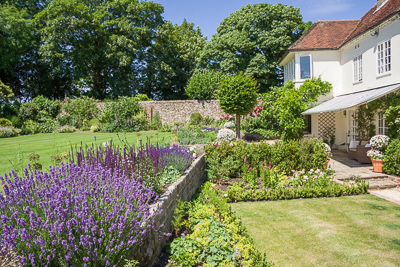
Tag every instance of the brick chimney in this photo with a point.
(380, 3)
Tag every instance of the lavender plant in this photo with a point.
(74, 215)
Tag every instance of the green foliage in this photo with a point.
(238, 94)
(103, 56)
(214, 235)
(365, 121)
(8, 131)
(47, 107)
(225, 161)
(391, 161)
(31, 127)
(141, 97)
(238, 192)
(169, 175)
(5, 93)
(28, 111)
(155, 123)
(5, 122)
(78, 110)
(123, 115)
(171, 60)
(290, 102)
(195, 118)
(392, 116)
(204, 85)
(252, 40)
(195, 136)
(328, 135)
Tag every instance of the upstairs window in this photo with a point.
(289, 71)
(384, 57)
(357, 67)
(305, 67)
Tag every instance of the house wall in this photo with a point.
(367, 47)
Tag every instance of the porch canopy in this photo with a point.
(351, 100)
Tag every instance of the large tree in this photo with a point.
(252, 40)
(99, 41)
(171, 61)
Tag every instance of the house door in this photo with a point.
(352, 126)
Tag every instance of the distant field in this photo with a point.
(14, 152)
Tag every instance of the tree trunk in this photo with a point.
(237, 126)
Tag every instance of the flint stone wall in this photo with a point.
(180, 110)
(183, 189)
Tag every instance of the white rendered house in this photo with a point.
(360, 58)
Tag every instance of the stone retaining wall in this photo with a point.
(180, 110)
(182, 189)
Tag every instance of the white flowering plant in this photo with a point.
(316, 177)
(229, 125)
(379, 142)
(375, 154)
(226, 135)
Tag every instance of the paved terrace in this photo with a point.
(382, 185)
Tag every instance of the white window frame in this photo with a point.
(290, 71)
(311, 67)
(384, 58)
(357, 69)
(382, 124)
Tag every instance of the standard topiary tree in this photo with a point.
(204, 85)
(238, 95)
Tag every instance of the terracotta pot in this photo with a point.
(377, 165)
(327, 162)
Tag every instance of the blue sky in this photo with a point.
(208, 14)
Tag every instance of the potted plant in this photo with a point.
(379, 144)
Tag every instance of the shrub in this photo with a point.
(155, 123)
(28, 111)
(8, 131)
(74, 215)
(225, 160)
(196, 118)
(391, 162)
(141, 97)
(78, 110)
(4, 122)
(213, 234)
(204, 85)
(31, 127)
(225, 135)
(95, 128)
(47, 106)
(238, 95)
(124, 114)
(66, 129)
(16, 122)
(48, 125)
(194, 136)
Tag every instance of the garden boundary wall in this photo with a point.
(180, 110)
(183, 189)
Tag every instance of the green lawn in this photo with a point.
(17, 149)
(347, 231)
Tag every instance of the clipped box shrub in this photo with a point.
(4, 122)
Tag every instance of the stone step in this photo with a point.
(385, 184)
(371, 177)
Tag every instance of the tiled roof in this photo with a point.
(335, 33)
(375, 17)
(325, 35)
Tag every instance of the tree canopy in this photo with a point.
(99, 40)
(252, 40)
